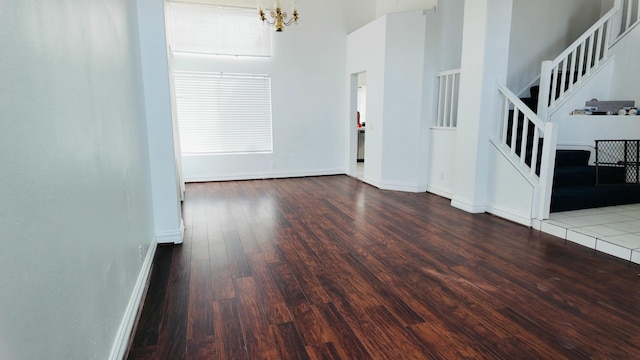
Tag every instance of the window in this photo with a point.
(216, 30)
(223, 113)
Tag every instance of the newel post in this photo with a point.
(545, 90)
(542, 200)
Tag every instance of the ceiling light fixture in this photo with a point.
(279, 17)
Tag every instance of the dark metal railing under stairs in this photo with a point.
(618, 162)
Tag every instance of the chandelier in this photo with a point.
(279, 17)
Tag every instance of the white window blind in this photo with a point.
(223, 113)
(210, 29)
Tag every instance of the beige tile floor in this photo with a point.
(613, 230)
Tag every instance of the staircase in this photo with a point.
(574, 181)
(574, 184)
(531, 102)
(562, 179)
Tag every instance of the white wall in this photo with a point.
(442, 152)
(597, 87)
(541, 30)
(235, 3)
(450, 16)
(390, 6)
(579, 132)
(443, 51)
(391, 51)
(366, 52)
(404, 84)
(358, 13)
(611, 82)
(404, 130)
(484, 64)
(355, 13)
(76, 204)
(626, 84)
(509, 195)
(308, 101)
(583, 130)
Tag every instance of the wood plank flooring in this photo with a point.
(332, 268)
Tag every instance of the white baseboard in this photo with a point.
(393, 186)
(509, 214)
(404, 187)
(464, 204)
(125, 331)
(445, 193)
(266, 175)
(374, 183)
(171, 237)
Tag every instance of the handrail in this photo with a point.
(604, 19)
(628, 22)
(515, 127)
(522, 107)
(559, 76)
(631, 7)
(448, 72)
(516, 122)
(530, 84)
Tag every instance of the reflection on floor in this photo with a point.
(360, 172)
(613, 230)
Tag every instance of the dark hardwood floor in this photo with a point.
(331, 268)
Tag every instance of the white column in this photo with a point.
(165, 188)
(485, 54)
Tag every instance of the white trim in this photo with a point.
(125, 331)
(374, 183)
(449, 72)
(536, 224)
(514, 161)
(265, 175)
(404, 187)
(464, 204)
(396, 186)
(628, 30)
(171, 237)
(503, 212)
(445, 193)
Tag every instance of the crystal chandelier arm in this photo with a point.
(294, 19)
(264, 19)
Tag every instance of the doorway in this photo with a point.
(360, 123)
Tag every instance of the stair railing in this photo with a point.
(629, 17)
(448, 91)
(561, 75)
(518, 138)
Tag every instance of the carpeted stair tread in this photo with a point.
(532, 103)
(592, 196)
(572, 157)
(585, 175)
(574, 181)
(574, 176)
